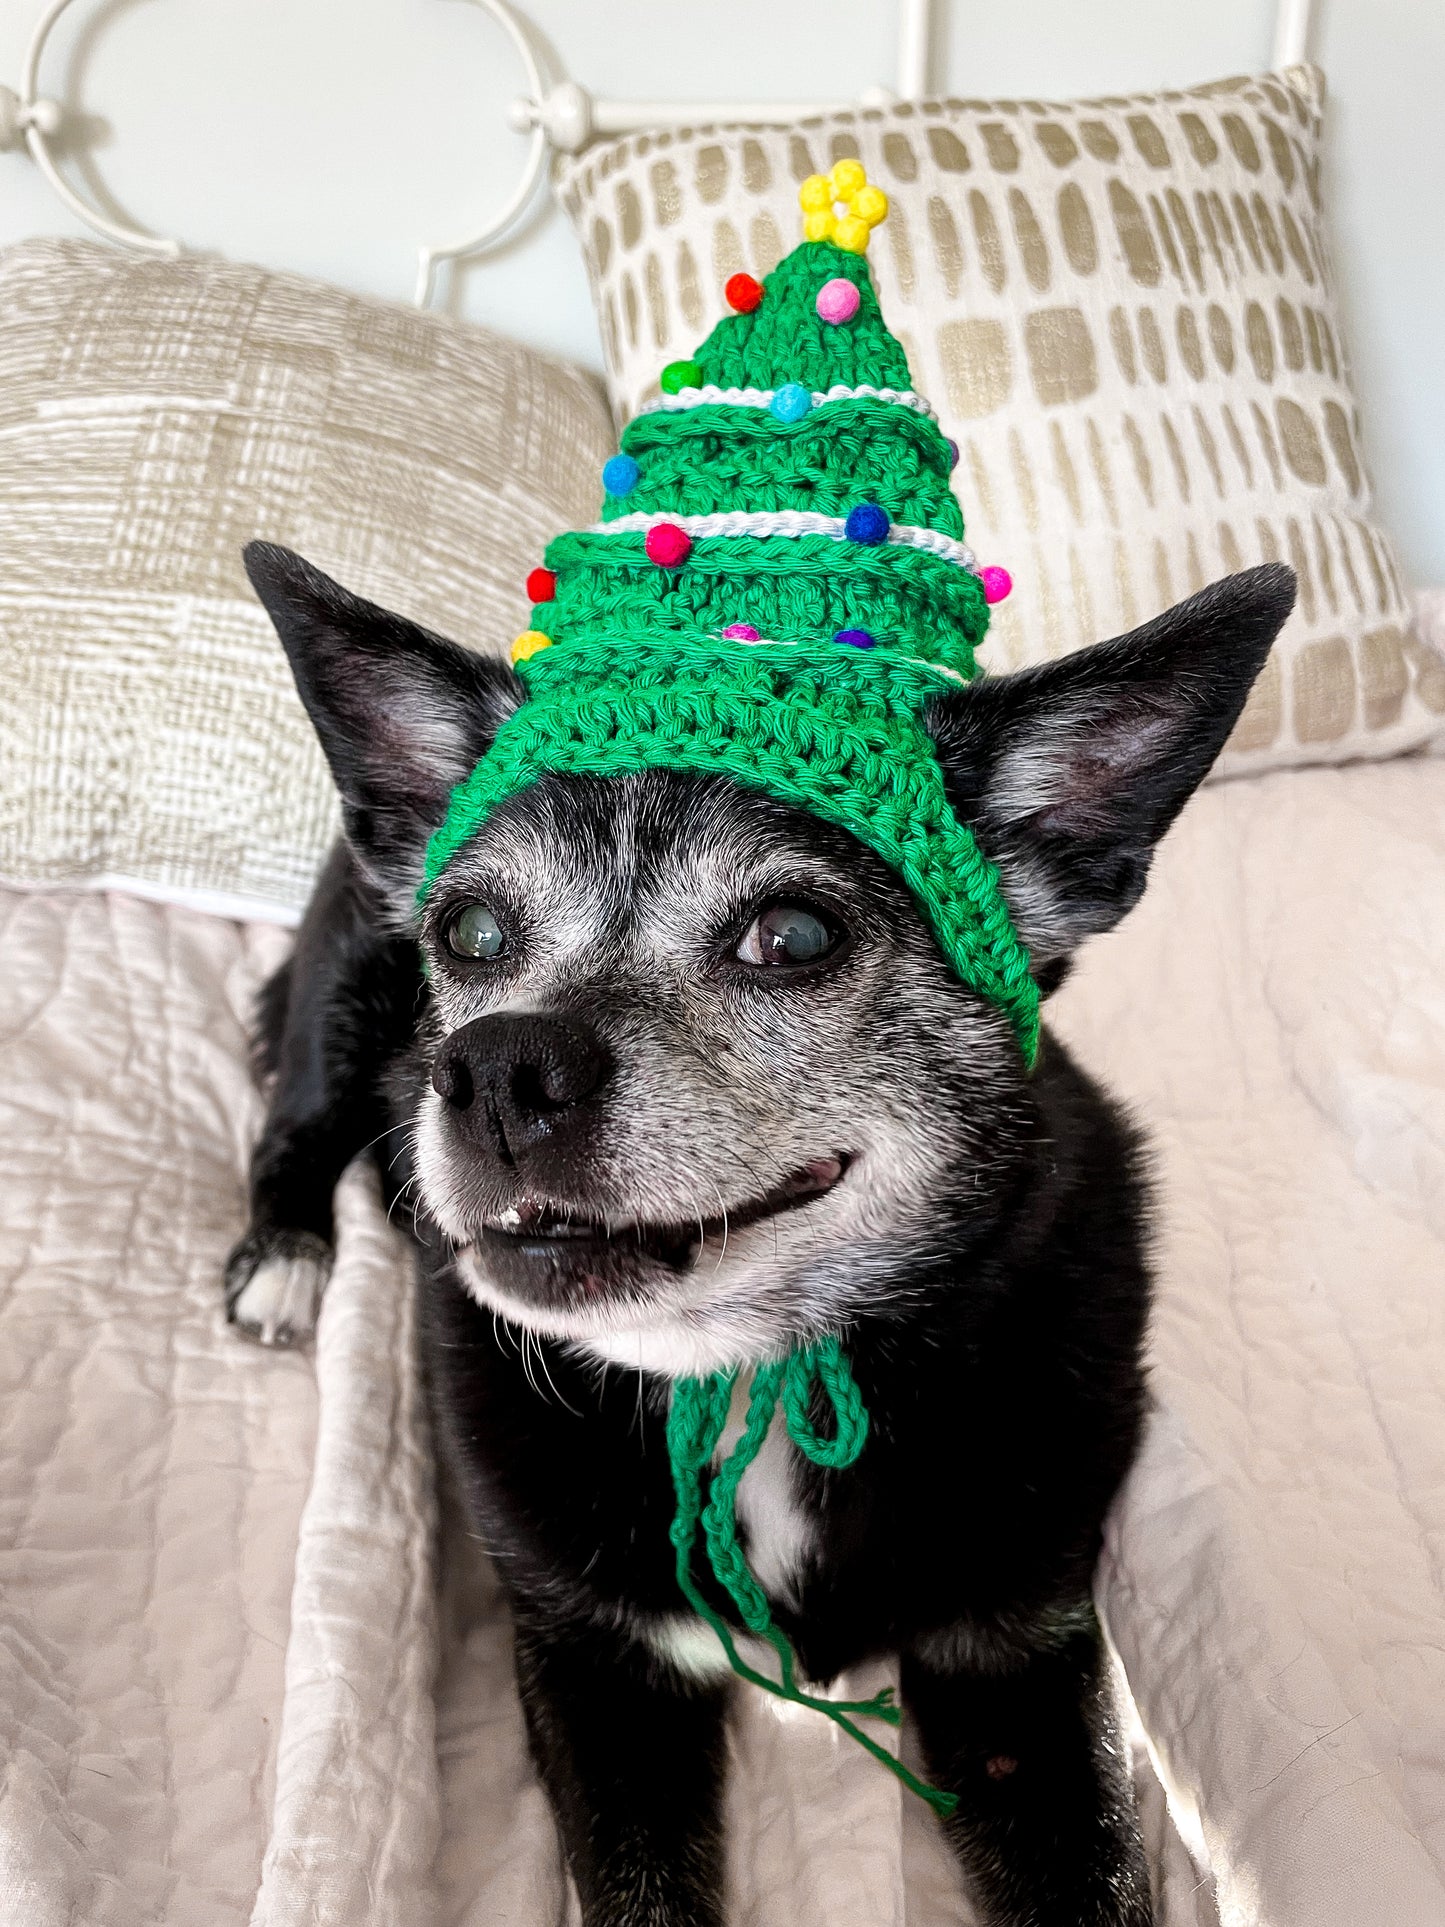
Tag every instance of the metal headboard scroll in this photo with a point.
(38, 120)
(30, 116)
(557, 113)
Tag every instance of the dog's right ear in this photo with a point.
(1071, 772)
(403, 715)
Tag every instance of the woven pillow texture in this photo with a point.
(154, 416)
(1124, 313)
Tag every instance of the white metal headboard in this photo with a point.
(557, 113)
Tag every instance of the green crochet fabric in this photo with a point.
(785, 339)
(691, 462)
(776, 590)
(851, 748)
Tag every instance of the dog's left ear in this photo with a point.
(1070, 773)
(403, 715)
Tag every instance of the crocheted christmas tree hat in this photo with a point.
(777, 588)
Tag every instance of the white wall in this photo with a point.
(329, 136)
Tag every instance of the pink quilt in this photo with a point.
(242, 1676)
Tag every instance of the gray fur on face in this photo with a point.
(627, 898)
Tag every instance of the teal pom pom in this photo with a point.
(791, 402)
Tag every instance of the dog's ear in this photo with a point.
(1071, 772)
(403, 715)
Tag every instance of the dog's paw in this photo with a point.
(274, 1280)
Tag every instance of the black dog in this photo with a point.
(682, 1080)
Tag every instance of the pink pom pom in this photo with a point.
(741, 632)
(837, 301)
(997, 583)
(667, 545)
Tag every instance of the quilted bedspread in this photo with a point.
(246, 1675)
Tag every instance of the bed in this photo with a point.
(232, 1693)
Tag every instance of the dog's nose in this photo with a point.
(513, 1081)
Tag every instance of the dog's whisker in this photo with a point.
(547, 1374)
(390, 1131)
(400, 1198)
(723, 1212)
(527, 1343)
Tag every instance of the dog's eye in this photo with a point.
(786, 933)
(474, 932)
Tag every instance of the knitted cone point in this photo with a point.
(777, 587)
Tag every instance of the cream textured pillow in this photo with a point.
(153, 418)
(1124, 312)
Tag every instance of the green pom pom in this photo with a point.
(678, 375)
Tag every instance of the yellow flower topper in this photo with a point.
(842, 207)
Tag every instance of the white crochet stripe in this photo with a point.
(761, 397)
(764, 522)
(782, 642)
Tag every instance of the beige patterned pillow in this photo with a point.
(1124, 312)
(153, 418)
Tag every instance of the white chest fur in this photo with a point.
(778, 1537)
(778, 1534)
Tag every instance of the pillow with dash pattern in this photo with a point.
(154, 417)
(1124, 312)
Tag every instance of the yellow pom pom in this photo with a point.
(818, 227)
(851, 234)
(815, 196)
(870, 204)
(847, 177)
(529, 643)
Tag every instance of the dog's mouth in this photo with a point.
(599, 1252)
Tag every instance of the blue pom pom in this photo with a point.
(866, 523)
(791, 402)
(619, 475)
(856, 638)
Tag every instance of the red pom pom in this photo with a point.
(541, 586)
(743, 293)
(667, 545)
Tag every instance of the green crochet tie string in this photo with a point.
(695, 1424)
